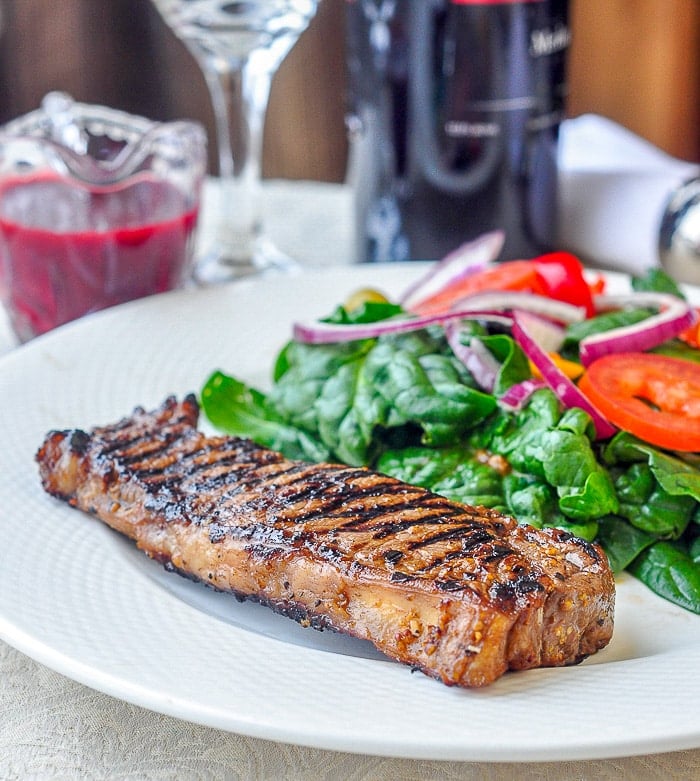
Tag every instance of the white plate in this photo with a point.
(80, 599)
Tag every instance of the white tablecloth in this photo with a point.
(52, 727)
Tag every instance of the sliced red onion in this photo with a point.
(517, 395)
(467, 259)
(673, 317)
(565, 390)
(475, 356)
(331, 333)
(559, 311)
(480, 306)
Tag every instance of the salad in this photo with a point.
(521, 386)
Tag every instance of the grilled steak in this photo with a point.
(462, 593)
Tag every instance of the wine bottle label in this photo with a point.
(549, 40)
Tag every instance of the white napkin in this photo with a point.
(614, 186)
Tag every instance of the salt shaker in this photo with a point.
(679, 234)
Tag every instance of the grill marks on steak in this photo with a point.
(462, 593)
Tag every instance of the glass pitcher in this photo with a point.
(97, 207)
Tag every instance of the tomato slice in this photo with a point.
(654, 397)
(520, 275)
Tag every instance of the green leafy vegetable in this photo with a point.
(671, 573)
(237, 409)
(450, 471)
(673, 474)
(656, 280)
(647, 506)
(622, 541)
(367, 312)
(675, 348)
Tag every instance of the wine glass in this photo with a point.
(238, 46)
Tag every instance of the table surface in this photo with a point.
(53, 727)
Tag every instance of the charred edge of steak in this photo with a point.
(297, 611)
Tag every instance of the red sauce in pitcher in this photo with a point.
(67, 249)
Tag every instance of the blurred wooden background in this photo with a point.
(635, 61)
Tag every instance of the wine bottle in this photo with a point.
(455, 109)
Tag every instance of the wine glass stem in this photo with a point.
(240, 94)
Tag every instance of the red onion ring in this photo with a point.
(517, 395)
(480, 306)
(673, 317)
(467, 259)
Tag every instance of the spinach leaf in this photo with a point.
(531, 500)
(647, 506)
(237, 409)
(668, 570)
(514, 364)
(516, 436)
(577, 421)
(367, 312)
(587, 530)
(656, 280)
(694, 550)
(339, 426)
(472, 482)
(540, 441)
(675, 348)
(308, 367)
(421, 466)
(585, 488)
(430, 390)
(622, 541)
(588, 500)
(676, 476)
(283, 361)
(450, 472)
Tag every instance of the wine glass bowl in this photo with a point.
(217, 29)
(238, 46)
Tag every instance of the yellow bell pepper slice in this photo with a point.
(571, 369)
